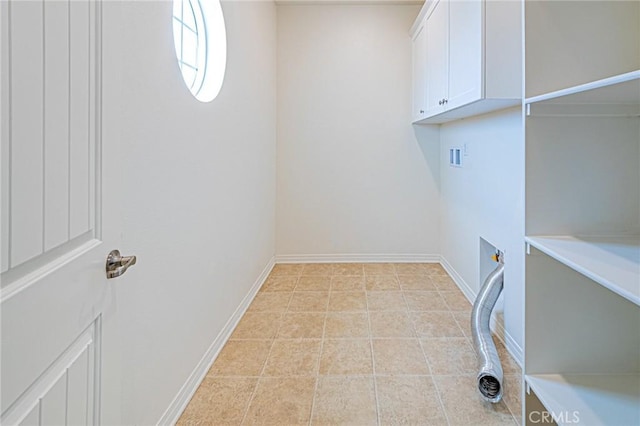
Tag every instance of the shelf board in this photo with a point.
(596, 399)
(613, 262)
(613, 96)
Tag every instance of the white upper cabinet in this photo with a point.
(419, 53)
(473, 58)
(465, 53)
(437, 57)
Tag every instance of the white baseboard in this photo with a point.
(496, 326)
(358, 258)
(179, 403)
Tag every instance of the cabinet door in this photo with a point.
(465, 52)
(419, 54)
(437, 58)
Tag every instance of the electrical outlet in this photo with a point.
(455, 157)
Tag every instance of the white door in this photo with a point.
(59, 354)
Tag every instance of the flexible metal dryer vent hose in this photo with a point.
(490, 374)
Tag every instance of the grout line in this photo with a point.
(323, 338)
(266, 360)
(437, 389)
(510, 411)
(361, 375)
(426, 358)
(373, 357)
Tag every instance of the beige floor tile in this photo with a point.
(436, 324)
(301, 326)
(348, 301)
(382, 283)
(345, 401)
(282, 401)
(464, 322)
(348, 269)
(280, 283)
(512, 388)
(379, 269)
(318, 269)
(443, 283)
(464, 405)
(347, 283)
(410, 268)
(450, 356)
(314, 283)
(386, 301)
(346, 325)
(258, 325)
(399, 356)
(219, 400)
(391, 324)
(425, 301)
(309, 301)
(456, 300)
(287, 269)
(346, 357)
(509, 365)
(241, 358)
(416, 282)
(408, 322)
(270, 302)
(434, 269)
(293, 358)
(409, 400)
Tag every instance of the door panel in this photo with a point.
(26, 111)
(51, 145)
(60, 217)
(64, 393)
(81, 100)
(4, 136)
(56, 125)
(437, 58)
(465, 52)
(419, 53)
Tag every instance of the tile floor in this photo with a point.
(357, 344)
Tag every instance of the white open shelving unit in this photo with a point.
(582, 340)
(589, 399)
(611, 261)
(582, 283)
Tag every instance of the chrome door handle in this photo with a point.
(118, 264)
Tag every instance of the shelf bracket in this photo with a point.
(528, 110)
(527, 388)
(527, 248)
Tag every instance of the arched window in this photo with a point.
(201, 45)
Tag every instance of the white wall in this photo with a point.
(353, 177)
(199, 208)
(485, 199)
